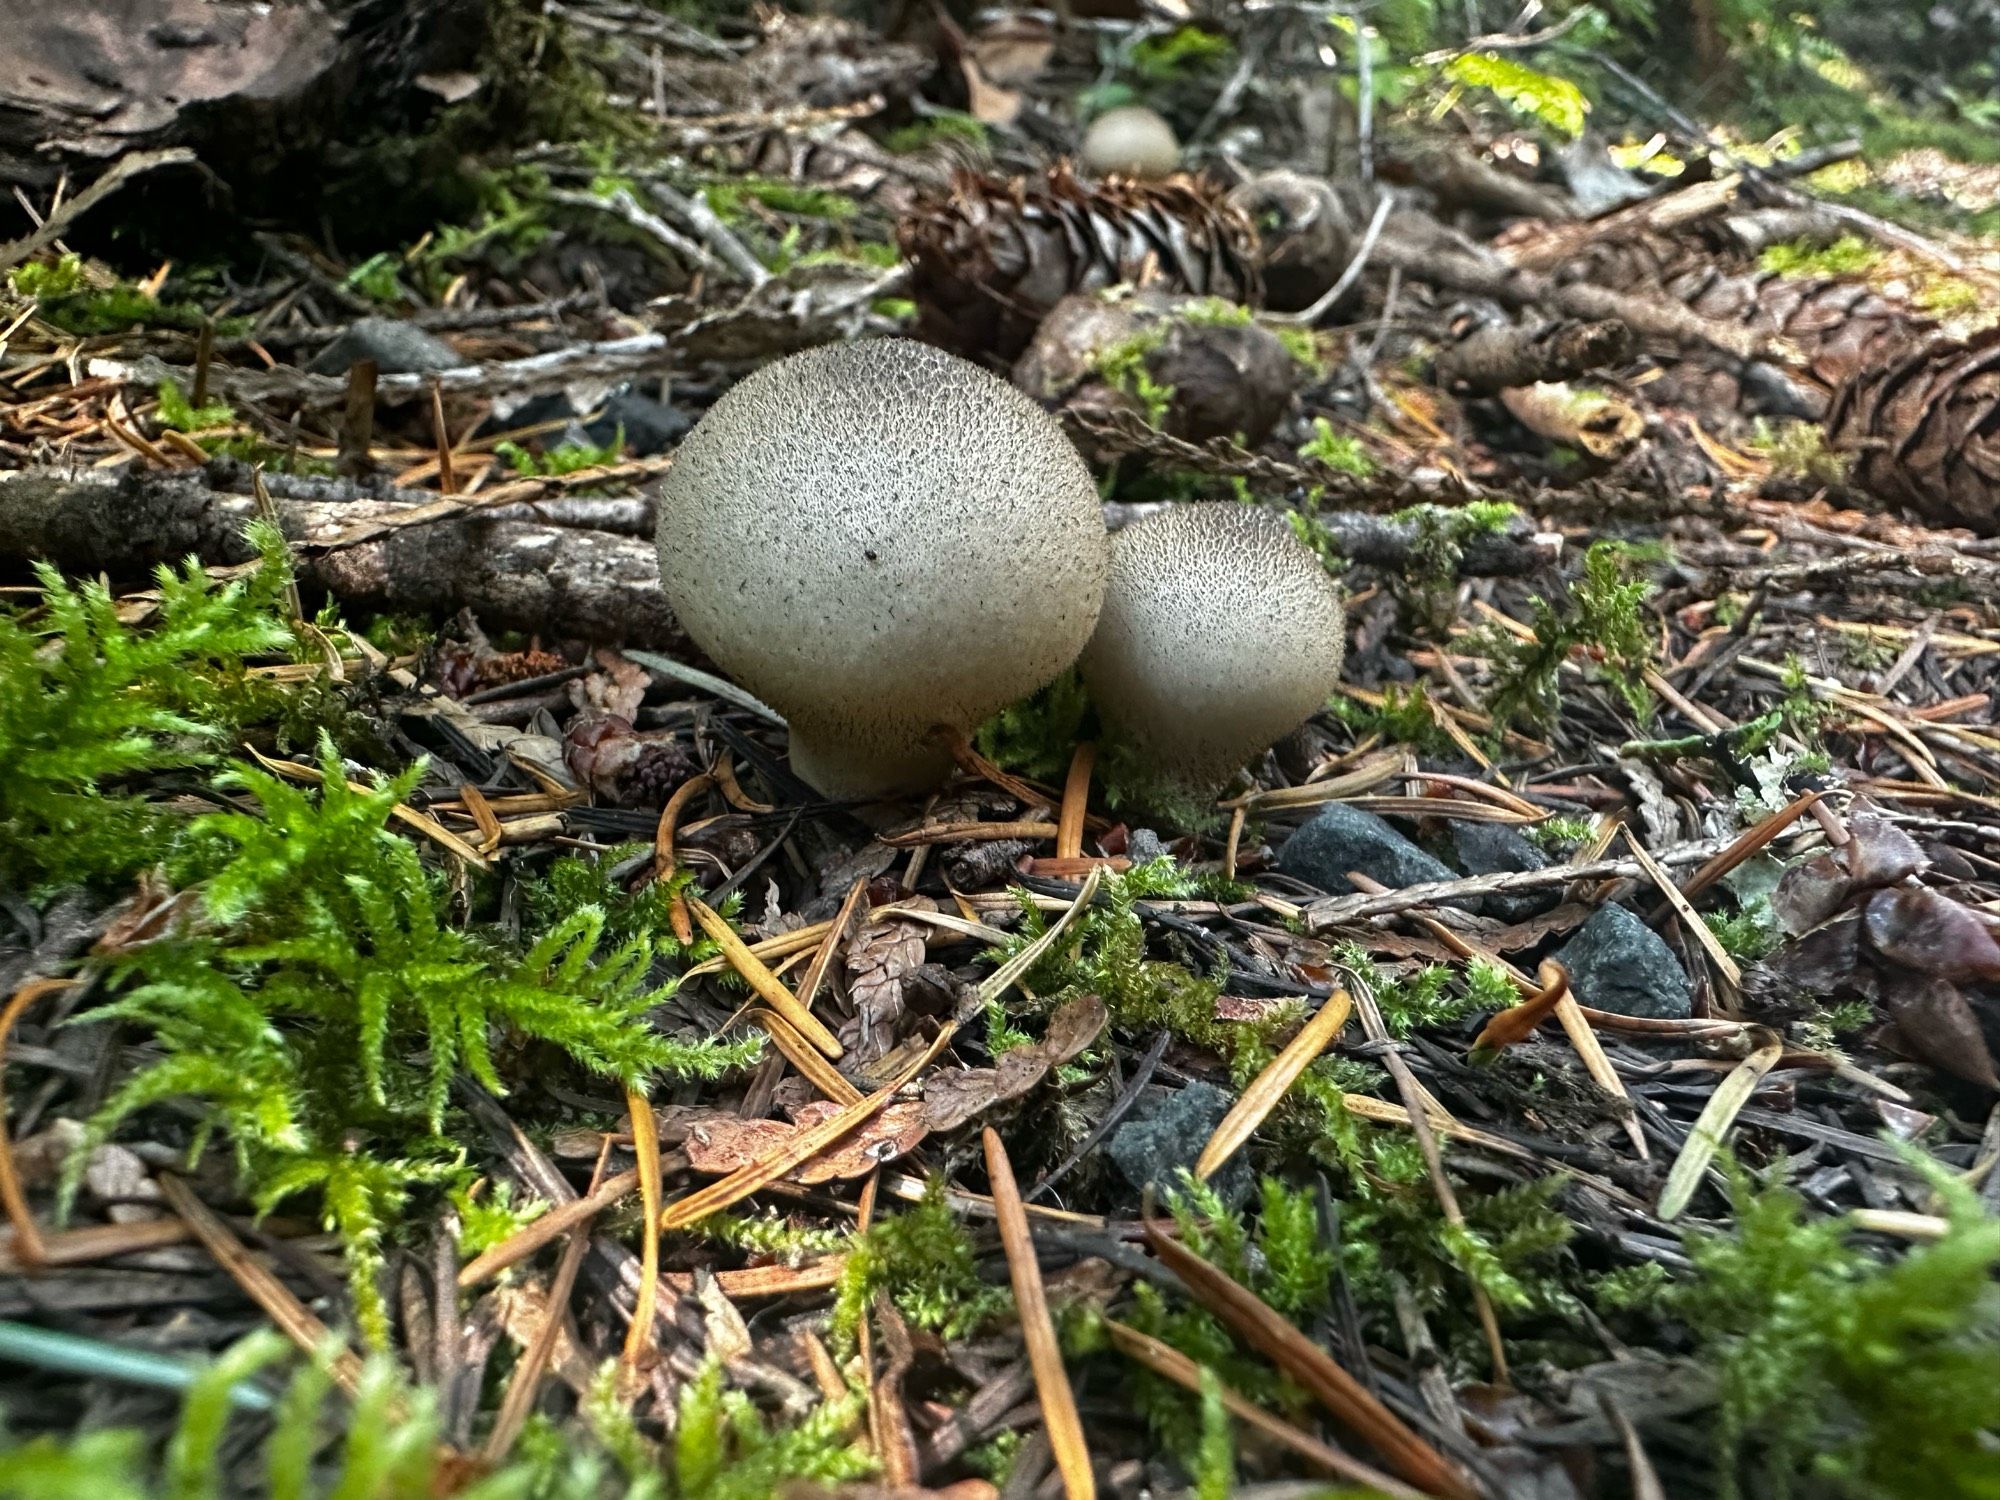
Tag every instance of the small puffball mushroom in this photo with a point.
(879, 539)
(1130, 141)
(1221, 634)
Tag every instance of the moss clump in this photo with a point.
(1799, 449)
(1602, 622)
(1847, 256)
(68, 295)
(934, 129)
(924, 1259)
(1339, 451)
(1123, 367)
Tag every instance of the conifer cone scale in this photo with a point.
(1924, 429)
(990, 256)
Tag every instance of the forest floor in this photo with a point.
(1563, 1067)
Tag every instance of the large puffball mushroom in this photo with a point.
(1221, 634)
(879, 539)
(1130, 141)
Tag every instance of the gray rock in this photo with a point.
(648, 426)
(1142, 846)
(397, 348)
(1617, 963)
(1493, 849)
(1166, 1131)
(1342, 838)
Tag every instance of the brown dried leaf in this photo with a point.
(882, 956)
(1878, 854)
(1915, 926)
(950, 1099)
(723, 1143)
(1937, 1023)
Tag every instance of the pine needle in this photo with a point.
(762, 980)
(1712, 1125)
(1271, 1085)
(1038, 1329)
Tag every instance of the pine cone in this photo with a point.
(990, 256)
(1922, 431)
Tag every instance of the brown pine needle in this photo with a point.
(762, 980)
(823, 955)
(1712, 1125)
(1167, 1361)
(1075, 802)
(1517, 1023)
(815, 1069)
(728, 1191)
(262, 1286)
(1272, 1084)
(664, 863)
(28, 1246)
(1038, 1329)
(531, 1236)
(646, 1147)
(1353, 1404)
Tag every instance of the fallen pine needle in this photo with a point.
(1168, 1362)
(1254, 1321)
(1271, 1085)
(1518, 1022)
(1075, 802)
(762, 980)
(1038, 1329)
(646, 1148)
(28, 1246)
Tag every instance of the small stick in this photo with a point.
(447, 475)
(646, 1148)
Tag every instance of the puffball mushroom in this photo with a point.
(1130, 141)
(1221, 633)
(878, 539)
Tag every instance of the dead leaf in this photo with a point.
(882, 956)
(950, 1099)
(1938, 1025)
(1915, 926)
(722, 1143)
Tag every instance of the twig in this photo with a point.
(50, 229)
(1348, 277)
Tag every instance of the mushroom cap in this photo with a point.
(878, 538)
(1221, 634)
(1130, 141)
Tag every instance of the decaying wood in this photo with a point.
(520, 575)
(1492, 356)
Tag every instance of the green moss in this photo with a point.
(1849, 255)
(1037, 736)
(1123, 366)
(1303, 346)
(731, 200)
(68, 296)
(568, 458)
(1559, 832)
(1602, 622)
(1405, 717)
(934, 129)
(1342, 452)
(1800, 449)
(1215, 312)
(1840, 1371)
(1179, 53)
(923, 1258)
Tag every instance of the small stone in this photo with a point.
(1342, 838)
(1167, 1130)
(398, 348)
(1493, 849)
(1617, 963)
(1143, 846)
(647, 426)
(115, 1176)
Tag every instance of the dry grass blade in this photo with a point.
(815, 1069)
(1583, 1037)
(1712, 1125)
(1168, 1362)
(1004, 978)
(294, 1319)
(727, 1191)
(28, 1246)
(762, 980)
(1272, 1084)
(1038, 1329)
(1351, 1403)
(646, 1148)
(1075, 802)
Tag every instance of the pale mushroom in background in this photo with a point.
(1221, 633)
(1130, 141)
(880, 539)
